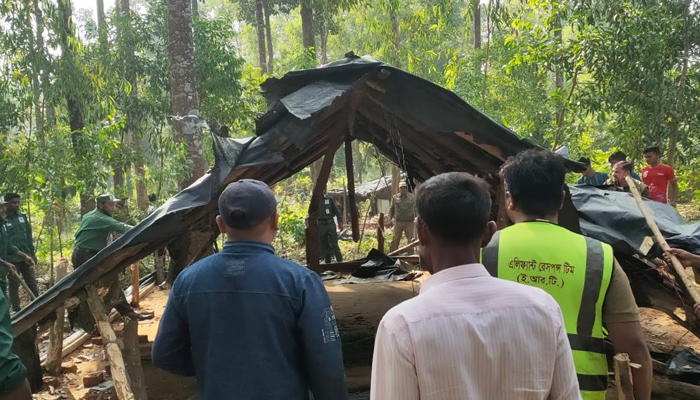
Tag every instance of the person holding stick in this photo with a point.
(688, 260)
(7, 250)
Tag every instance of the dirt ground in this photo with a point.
(358, 308)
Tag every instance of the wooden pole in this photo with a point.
(135, 272)
(159, 257)
(352, 202)
(55, 353)
(623, 376)
(677, 267)
(109, 338)
(404, 248)
(380, 233)
(132, 358)
(312, 250)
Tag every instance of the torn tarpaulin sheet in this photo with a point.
(614, 218)
(379, 268)
(685, 366)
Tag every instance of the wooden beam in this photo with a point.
(132, 358)
(404, 248)
(135, 276)
(109, 338)
(623, 376)
(55, 353)
(352, 201)
(312, 241)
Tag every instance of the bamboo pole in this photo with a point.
(55, 353)
(623, 377)
(686, 280)
(109, 338)
(404, 248)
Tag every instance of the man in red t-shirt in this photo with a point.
(660, 178)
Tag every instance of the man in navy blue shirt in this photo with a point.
(590, 176)
(246, 323)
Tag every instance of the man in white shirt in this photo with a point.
(468, 335)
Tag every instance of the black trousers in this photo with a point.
(27, 272)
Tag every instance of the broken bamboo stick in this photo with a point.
(404, 248)
(685, 279)
(55, 353)
(15, 274)
(109, 338)
(623, 377)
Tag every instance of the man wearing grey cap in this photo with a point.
(246, 323)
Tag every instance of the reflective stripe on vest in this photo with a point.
(547, 256)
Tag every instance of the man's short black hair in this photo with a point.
(535, 179)
(455, 206)
(11, 196)
(651, 149)
(617, 156)
(627, 166)
(585, 161)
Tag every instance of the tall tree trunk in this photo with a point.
(195, 8)
(489, 25)
(324, 37)
(395, 34)
(559, 80)
(39, 58)
(307, 29)
(675, 121)
(476, 10)
(260, 28)
(102, 26)
(133, 124)
(268, 36)
(75, 114)
(184, 86)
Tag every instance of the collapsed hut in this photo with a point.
(421, 127)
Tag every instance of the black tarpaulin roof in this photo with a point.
(422, 127)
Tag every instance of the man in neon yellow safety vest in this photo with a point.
(579, 272)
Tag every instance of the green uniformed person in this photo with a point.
(403, 214)
(581, 273)
(328, 235)
(13, 382)
(7, 250)
(19, 231)
(95, 228)
(91, 237)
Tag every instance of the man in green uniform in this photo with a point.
(7, 250)
(581, 273)
(327, 230)
(19, 231)
(13, 382)
(91, 237)
(403, 214)
(95, 228)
